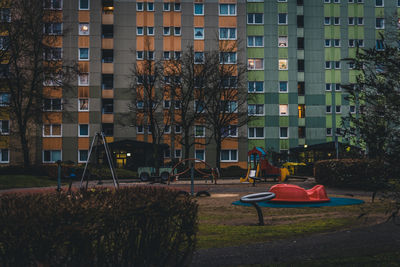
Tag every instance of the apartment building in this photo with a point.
(293, 49)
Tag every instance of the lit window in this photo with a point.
(198, 9)
(283, 64)
(255, 41)
(227, 9)
(282, 18)
(51, 156)
(83, 104)
(283, 132)
(83, 130)
(283, 87)
(282, 41)
(255, 109)
(83, 155)
(256, 132)
(227, 33)
(255, 87)
(301, 108)
(283, 110)
(255, 64)
(84, 4)
(4, 155)
(84, 29)
(198, 33)
(255, 18)
(83, 53)
(83, 79)
(230, 155)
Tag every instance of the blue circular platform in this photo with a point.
(335, 201)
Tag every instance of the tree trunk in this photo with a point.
(25, 149)
(218, 153)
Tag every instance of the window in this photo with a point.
(5, 15)
(300, 65)
(256, 132)
(199, 154)
(283, 87)
(336, 42)
(337, 64)
(327, 42)
(380, 45)
(199, 131)
(230, 131)
(255, 109)
(108, 129)
(84, 4)
(139, 129)
(379, 3)
(107, 31)
(150, 30)
(301, 108)
(52, 53)
(300, 21)
(4, 155)
(177, 31)
(283, 64)
(83, 130)
(227, 33)
(83, 155)
(255, 87)
(328, 64)
(229, 106)
(328, 87)
(227, 57)
(338, 87)
(53, 28)
(177, 54)
(255, 18)
(283, 132)
(255, 41)
(327, 20)
(336, 1)
(150, 55)
(329, 131)
(227, 9)
(352, 42)
(83, 104)
(107, 81)
(336, 20)
(166, 6)
(139, 31)
(52, 130)
(300, 43)
(230, 155)
(51, 156)
(380, 23)
(328, 109)
(83, 79)
(398, 3)
(199, 106)
(229, 82)
(351, 20)
(178, 153)
(301, 88)
(360, 21)
(327, 1)
(83, 53)
(283, 110)
(352, 109)
(198, 57)
(4, 127)
(255, 64)
(177, 7)
(167, 153)
(302, 132)
(4, 99)
(167, 129)
(198, 33)
(139, 6)
(56, 4)
(166, 55)
(178, 129)
(198, 9)
(282, 41)
(107, 106)
(166, 31)
(150, 6)
(4, 41)
(52, 104)
(282, 18)
(84, 29)
(338, 109)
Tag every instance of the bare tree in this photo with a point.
(33, 64)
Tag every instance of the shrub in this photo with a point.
(351, 173)
(140, 226)
(233, 171)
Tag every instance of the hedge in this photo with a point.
(140, 226)
(351, 173)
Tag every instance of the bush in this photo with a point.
(233, 171)
(140, 226)
(351, 173)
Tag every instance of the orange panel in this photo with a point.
(83, 66)
(54, 117)
(83, 41)
(107, 93)
(227, 1)
(198, 45)
(83, 117)
(109, 139)
(177, 43)
(144, 43)
(107, 118)
(107, 43)
(140, 19)
(52, 143)
(241, 164)
(149, 18)
(140, 137)
(177, 19)
(167, 19)
(107, 68)
(198, 21)
(83, 91)
(53, 41)
(107, 18)
(228, 45)
(84, 16)
(230, 143)
(52, 92)
(52, 16)
(228, 21)
(83, 143)
(4, 141)
(200, 143)
(168, 43)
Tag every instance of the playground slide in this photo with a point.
(250, 173)
(245, 179)
(284, 174)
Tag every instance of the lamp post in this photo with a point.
(59, 175)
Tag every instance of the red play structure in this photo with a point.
(294, 193)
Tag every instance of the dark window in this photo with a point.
(300, 21)
(107, 56)
(107, 31)
(300, 43)
(302, 132)
(300, 2)
(108, 129)
(300, 88)
(4, 70)
(300, 65)
(108, 106)
(107, 81)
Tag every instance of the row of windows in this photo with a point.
(55, 130)
(378, 3)
(198, 8)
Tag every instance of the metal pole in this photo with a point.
(59, 176)
(337, 147)
(88, 159)
(192, 181)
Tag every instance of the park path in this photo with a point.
(350, 243)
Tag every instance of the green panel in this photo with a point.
(282, 30)
(336, 32)
(283, 99)
(360, 11)
(351, 32)
(379, 33)
(282, 8)
(273, 121)
(338, 98)
(337, 54)
(254, 7)
(360, 33)
(252, 143)
(379, 12)
(293, 98)
(255, 30)
(327, 11)
(338, 121)
(352, 52)
(398, 11)
(257, 121)
(256, 99)
(255, 52)
(315, 100)
(351, 10)
(353, 76)
(328, 54)
(329, 139)
(283, 75)
(284, 121)
(316, 122)
(255, 75)
(336, 10)
(283, 52)
(284, 144)
(328, 32)
(328, 98)
(301, 99)
(301, 121)
(328, 121)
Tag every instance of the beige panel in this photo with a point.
(83, 91)
(107, 118)
(52, 143)
(107, 43)
(83, 143)
(83, 41)
(198, 21)
(52, 92)
(84, 16)
(227, 22)
(83, 66)
(83, 117)
(198, 45)
(107, 93)
(107, 18)
(107, 68)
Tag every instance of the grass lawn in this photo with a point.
(20, 181)
(222, 224)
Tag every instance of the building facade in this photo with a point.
(294, 51)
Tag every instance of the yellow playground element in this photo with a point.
(291, 166)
